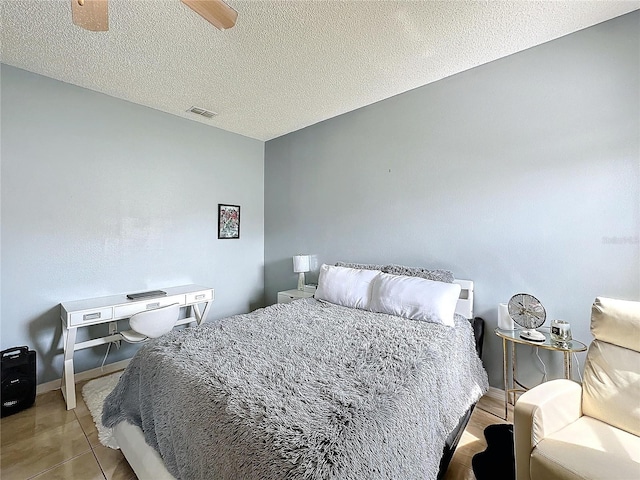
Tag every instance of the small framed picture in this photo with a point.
(228, 221)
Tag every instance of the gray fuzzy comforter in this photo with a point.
(305, 390)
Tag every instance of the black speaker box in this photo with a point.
(18, 367)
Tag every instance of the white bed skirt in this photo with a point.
(144, 460)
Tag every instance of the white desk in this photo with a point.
(108, 310)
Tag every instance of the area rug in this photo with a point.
(498, 460)
(94, 392)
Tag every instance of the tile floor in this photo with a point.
(49, 442)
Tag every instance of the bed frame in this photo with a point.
(147, 463)
(454, 437)
(464, 306)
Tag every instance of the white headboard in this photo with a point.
(464, 306)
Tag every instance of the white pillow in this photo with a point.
(415, 298)
(349, 287)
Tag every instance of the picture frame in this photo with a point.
(228, 221)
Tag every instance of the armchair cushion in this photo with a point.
(617, 322)
(554, 440)
(587, 449)
(611, 386)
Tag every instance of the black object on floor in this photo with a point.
(18, 365)
(498, 460)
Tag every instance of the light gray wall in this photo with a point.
(522, 175)
(101, 196)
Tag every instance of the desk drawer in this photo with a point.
(87, 317)
(203, 296)
(125, 311)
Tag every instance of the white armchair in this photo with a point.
(591, 431)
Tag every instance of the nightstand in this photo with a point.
(291, 295)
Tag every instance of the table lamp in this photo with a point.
(300, 266)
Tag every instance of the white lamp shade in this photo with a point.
(301, 263)
(504, 319)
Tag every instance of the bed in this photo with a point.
(313, 389)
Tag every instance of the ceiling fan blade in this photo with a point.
(216, 12)
(90, 14)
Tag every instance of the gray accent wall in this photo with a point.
(101, 196)
(522, 174)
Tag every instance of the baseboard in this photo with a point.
(496, 393)
(86, 375)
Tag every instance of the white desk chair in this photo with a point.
(151, 323)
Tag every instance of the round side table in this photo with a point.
(512, 385)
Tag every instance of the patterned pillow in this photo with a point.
(437, 275)
(359, 266)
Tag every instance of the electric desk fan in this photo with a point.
(527, 311)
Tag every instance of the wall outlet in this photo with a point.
(113, 329)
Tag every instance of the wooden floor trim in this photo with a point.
(86, 375)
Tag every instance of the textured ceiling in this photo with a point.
(286, 64)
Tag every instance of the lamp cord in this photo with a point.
(578, 365)
(544, 367)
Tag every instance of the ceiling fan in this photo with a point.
(93, 14)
